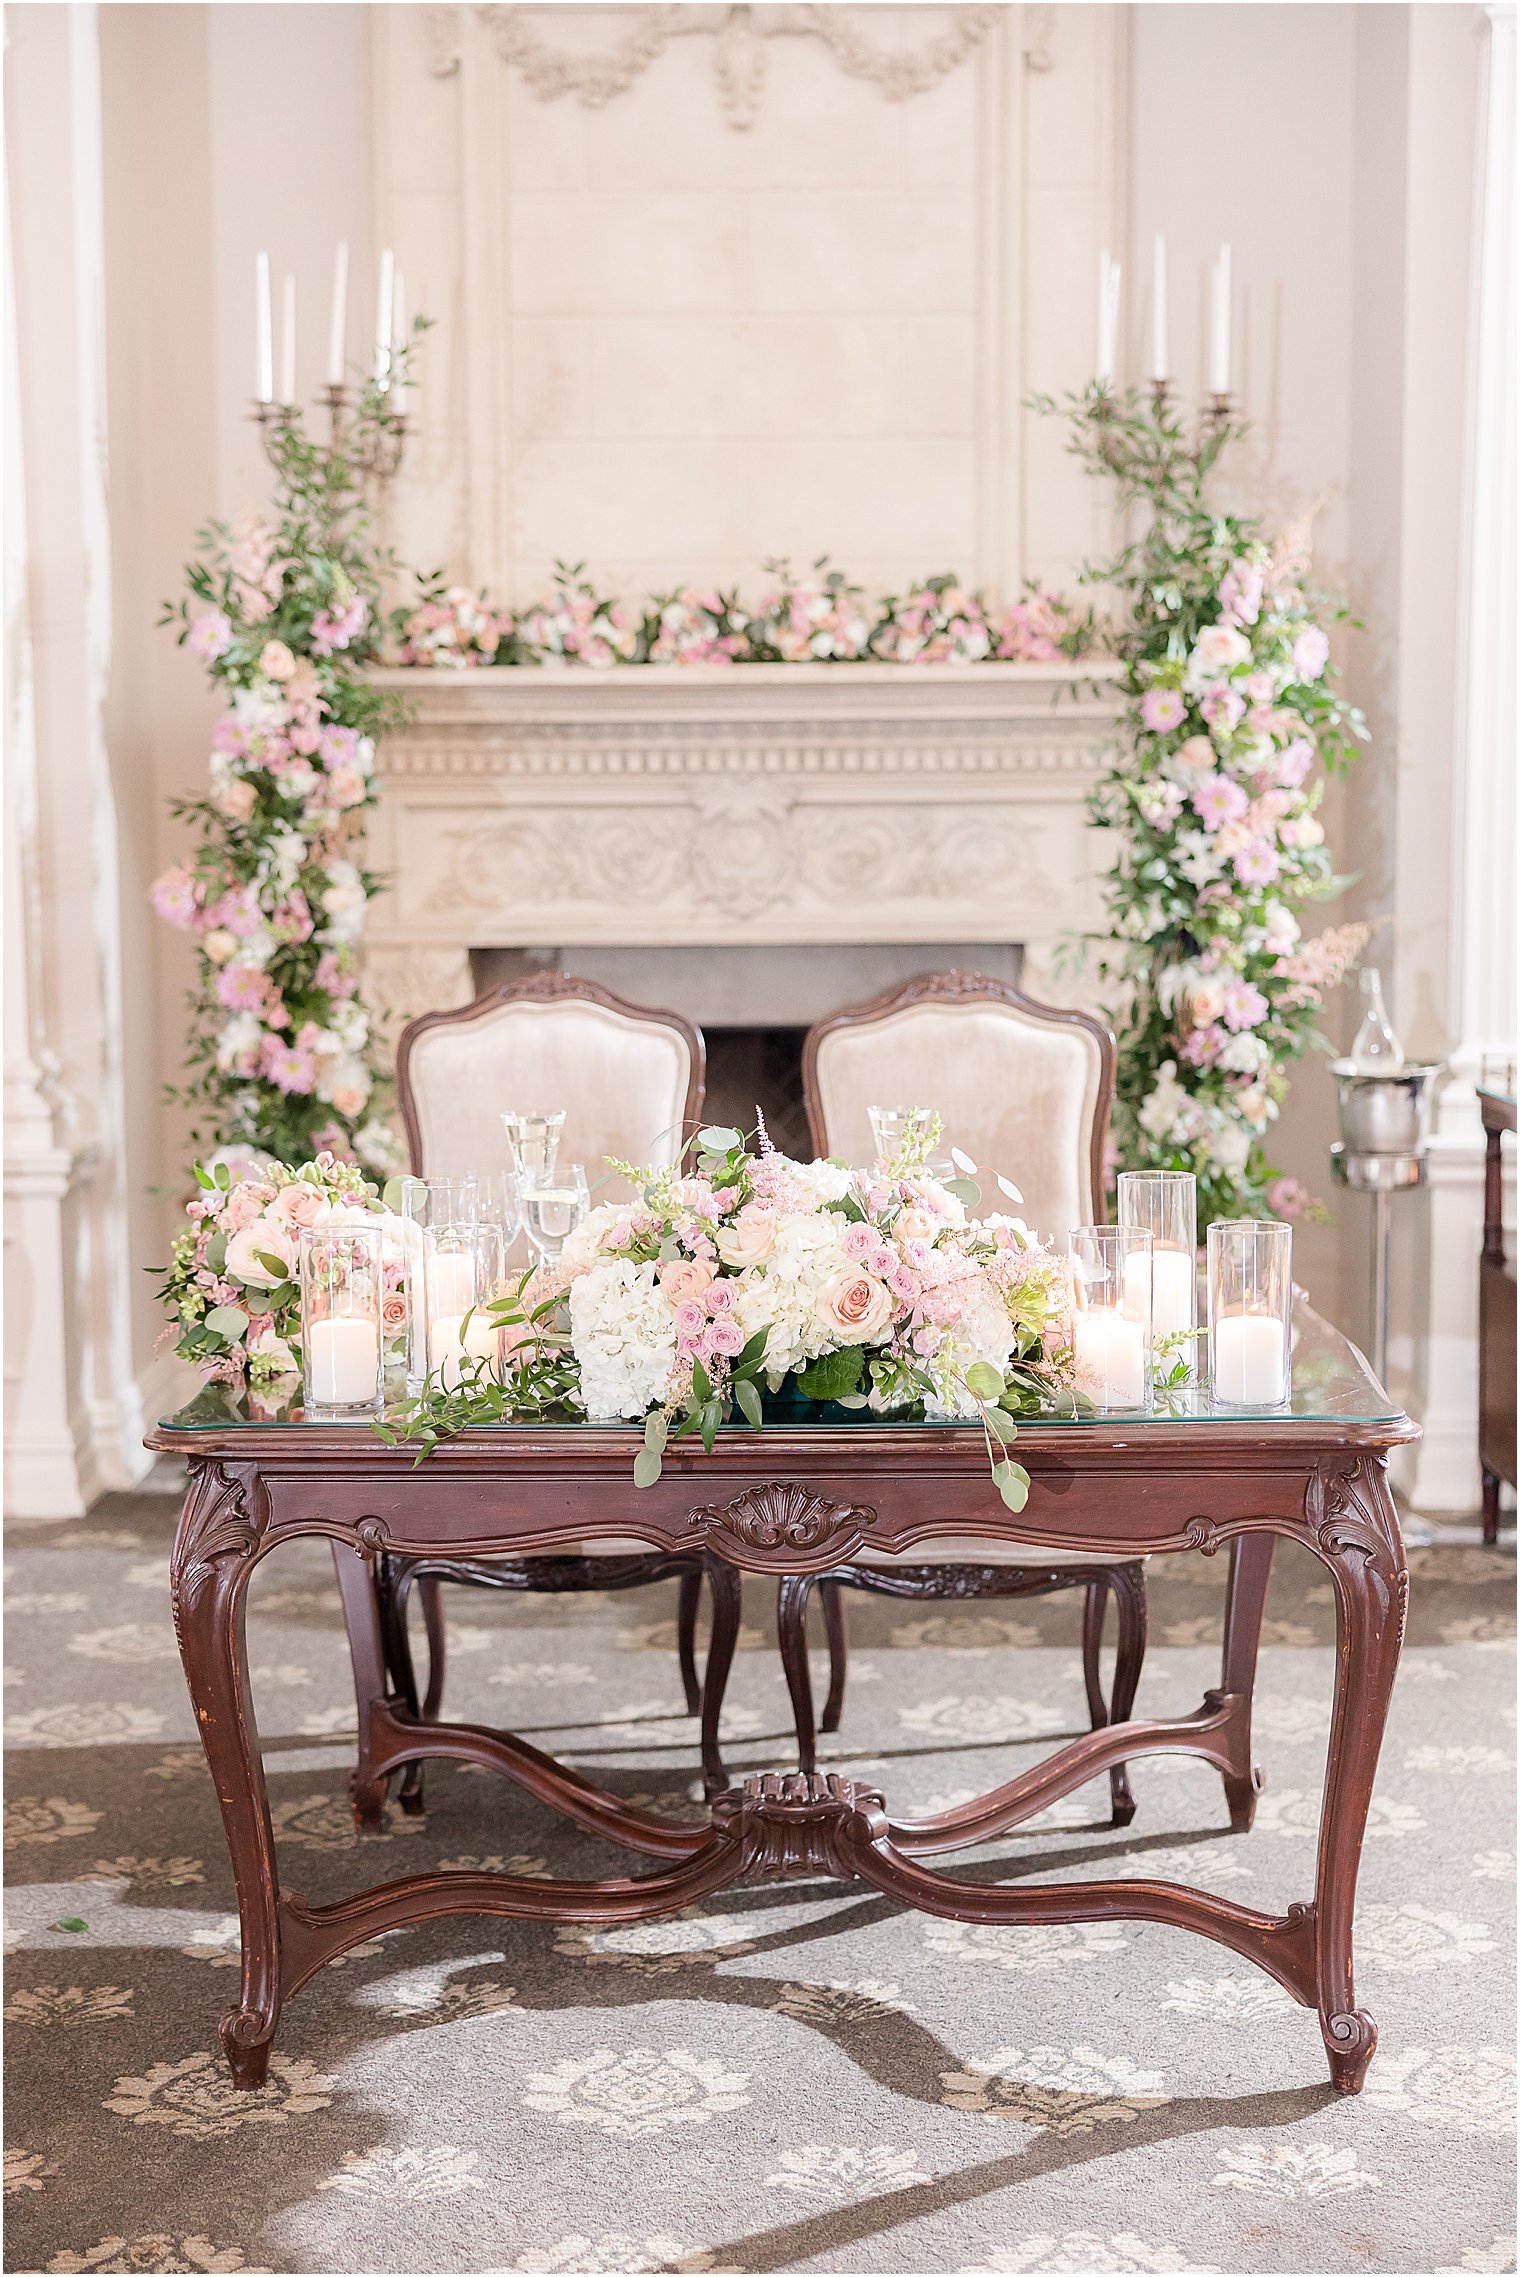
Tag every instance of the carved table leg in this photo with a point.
(832, 1598)
(1250, 1571)
(393, 1585)
(1356, 1530)
(727, 1596)
(791, 1629)
(366, 1644)
(688, 1601)
(215, 1550)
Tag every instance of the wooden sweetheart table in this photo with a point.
(802, 1497)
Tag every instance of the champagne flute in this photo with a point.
(552, 1209)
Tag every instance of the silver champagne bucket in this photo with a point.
(1384, 1114)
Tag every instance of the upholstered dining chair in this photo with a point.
(1024, 1088)
(631, 1082)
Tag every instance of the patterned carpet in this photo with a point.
(791, 2078)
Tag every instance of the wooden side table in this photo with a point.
(1496, 1319)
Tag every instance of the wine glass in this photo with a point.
(552, 1210)
(499, 1206)
(533, 1134)
(892, 1127)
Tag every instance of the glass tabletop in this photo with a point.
(1332, 1383)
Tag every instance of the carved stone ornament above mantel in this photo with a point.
(690, 806)
(531, 39)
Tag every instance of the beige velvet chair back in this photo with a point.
(1023, 1088)
(630, 1080)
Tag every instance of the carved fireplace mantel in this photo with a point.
(760, 805)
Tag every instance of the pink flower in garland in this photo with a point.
(332, 629)
(1224, 708)
(210, 635)
(293, 921)
(1294, 762)
(1244, 1005)
(1240, 594)
(1161, 709)
(1311, 653)
(1287, 1198)
(1202, 1046)
(1257, 864)
(287, 1066)
(331, 975)
(177, 897)
(1218, 800)
(241, 988)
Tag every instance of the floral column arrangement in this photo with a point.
(1234, 725)
(284, 612)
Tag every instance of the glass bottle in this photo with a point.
(1377, 1050)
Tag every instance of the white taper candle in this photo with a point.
(337, 330)
(264, 316)
(1158, 311)
(1219, 326)
(288, 341)
(384, 306)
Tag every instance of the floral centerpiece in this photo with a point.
(747, 1270)
(233, 1279)
(284, 613)
(1234, 725)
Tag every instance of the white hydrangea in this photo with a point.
(1245, 1054)
(242, 1033)
(986, 1333)
(825, 1181)
(781, 1295)
(623, 1335)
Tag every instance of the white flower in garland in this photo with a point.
(623, 1335)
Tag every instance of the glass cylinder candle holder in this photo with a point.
(893, 1127)
(342, 1340)
(1111, 1324)
(533, 1134)
(448, 1206)
(456, 1287)
(1166, 1202)
(1250, 1312)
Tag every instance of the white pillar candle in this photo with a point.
(288, 342)
(1111, 1351)
(450, 1282)
(1170, 1274)
(384, 311)
(337, 329)
(1158, 311)
(457, 1337)
(1250, 1359)
(344, 1361)
(1219, 325)
(264, 316)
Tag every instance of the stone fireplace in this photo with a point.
(755, 847)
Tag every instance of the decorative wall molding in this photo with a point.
(740, 62)
(804, 804)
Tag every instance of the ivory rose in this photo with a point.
(1217, 650)
(244, 1258)
(855, 1305)
(300, 1204)
(915, 1225)
(686, 1280)
(276, 661)
(238, 800)
(748, 1239)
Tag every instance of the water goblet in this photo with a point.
(552, 1209)
(533, 1135)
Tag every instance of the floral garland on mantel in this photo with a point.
(817, 617)
(1235, 725)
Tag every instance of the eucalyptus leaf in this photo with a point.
(965, 1190)
(656, 1430)
(1000, 1425)
(216, 1253)
(717, 1138)
(1012, 1483)
(647, 1466)
(985, 1380)
(227, 1320)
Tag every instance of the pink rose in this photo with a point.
(1197, 753)
(691, 1319)
(238, 800)
(349, 1100)
(720, 1299)
(726, 1338)
(346, 786)
(276, 661)
(854, 1306)
(300, 1203)
(749, 1237)
(685, 1280)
